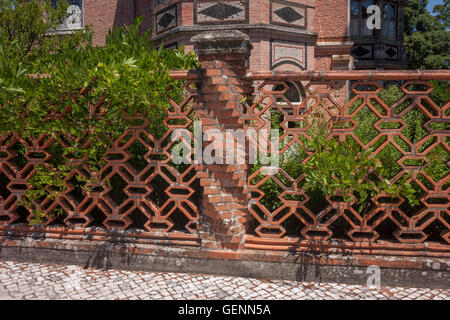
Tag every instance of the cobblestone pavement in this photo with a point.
(43, 281)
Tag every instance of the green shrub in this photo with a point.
(345, 170)
(127, 74)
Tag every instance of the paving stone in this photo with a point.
(41, 281)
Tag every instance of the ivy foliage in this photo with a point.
(414, 130)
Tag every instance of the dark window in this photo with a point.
(358, 18)
(293, 94)
(389, 22)
(74, 19)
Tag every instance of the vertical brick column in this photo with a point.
(224, 211)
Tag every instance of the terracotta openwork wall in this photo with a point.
(142, 192)
(390, 224)
(217, 206)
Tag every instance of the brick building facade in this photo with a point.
(286, 35)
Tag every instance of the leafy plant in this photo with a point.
(342, 169)
(339, 170)
(82, 94)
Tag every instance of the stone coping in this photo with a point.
(302, 266)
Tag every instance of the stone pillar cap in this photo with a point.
(222, 41)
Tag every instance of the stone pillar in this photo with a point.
(341, 62)
(224, 61)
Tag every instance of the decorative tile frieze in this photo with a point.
(362, 51)
(166, 19)
(287, 52)
(225, 11)
(287, 13)
(391, 53)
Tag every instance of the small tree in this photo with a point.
(427, 38)
(26, 28)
